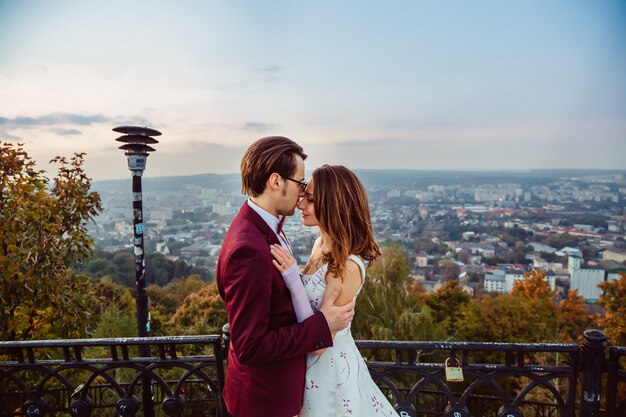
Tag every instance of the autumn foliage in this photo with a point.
(614, 302)
(42, 234)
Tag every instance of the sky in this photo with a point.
(463, 85)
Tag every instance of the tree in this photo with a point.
(389, 308)
(534, 285)
(159, 269)
(125, 262)
(111, 294)
(115, 323)
(42, 234)
(613, 300)
(202, 312)
(561, 241)
(98, 267)
(450, 270)
(181, 269)
(506, 318)
(167, 299)
(446, 304)
(572, 318)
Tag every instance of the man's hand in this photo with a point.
(338, 317)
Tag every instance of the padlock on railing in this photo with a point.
(81, 407)
(406, 410)
(456, 411)
(35, 407)
(128, 406)
(454, 373)
(174, 405)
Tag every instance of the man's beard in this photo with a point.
(284, 194)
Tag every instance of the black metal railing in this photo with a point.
(77, 376)
(616, 382)
(186, 375)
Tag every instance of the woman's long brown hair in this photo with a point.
(341, 207)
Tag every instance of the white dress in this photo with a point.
(338, 382)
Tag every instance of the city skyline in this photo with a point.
(402, 85)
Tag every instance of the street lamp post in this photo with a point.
(136, 148)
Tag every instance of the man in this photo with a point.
(266, 361)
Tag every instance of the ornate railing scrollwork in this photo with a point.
(186, 377)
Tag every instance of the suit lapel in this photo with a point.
(254, 218)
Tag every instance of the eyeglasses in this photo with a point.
(303, 184)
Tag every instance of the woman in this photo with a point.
(338, 382)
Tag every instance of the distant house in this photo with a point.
(430, 286)
(613, 254)
(483, 249)
(568, 251)
(540, 247)
(161, 247)
(195, 249)
(421, 259)
(468, 235)
(494, 281)
(433, 230)
(613, 270)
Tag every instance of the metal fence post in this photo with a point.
(222, 360)
(593, 345)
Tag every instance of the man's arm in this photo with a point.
(247, 280)
(338, 313)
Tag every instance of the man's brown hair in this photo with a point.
(266, 156)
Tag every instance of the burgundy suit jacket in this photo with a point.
(266, 360)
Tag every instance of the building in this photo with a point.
(494, 281)
(510, 276)
(614, 254)
(513, 275)
(421, 259)
(433, 230)
(585, 280)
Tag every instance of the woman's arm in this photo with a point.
(286, 264)
(349, 282)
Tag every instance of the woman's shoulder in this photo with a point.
(356, 260)
(352, 270)
(317, 243)
(350, 280)
(354, 265)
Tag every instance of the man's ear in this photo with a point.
(273, 182)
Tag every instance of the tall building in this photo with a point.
(585, 280)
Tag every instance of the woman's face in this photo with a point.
(306, 205)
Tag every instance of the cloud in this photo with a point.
(133, 121)
(7, 136)
(53, 119)
(258, 126)
(269, 73)
(270, 69)
(65, 132)
(381, 143)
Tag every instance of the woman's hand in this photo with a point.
(283, 259)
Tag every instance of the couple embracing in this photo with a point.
(291, 350)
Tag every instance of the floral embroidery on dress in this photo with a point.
(378, 406)
(346, 405)
(312, 386)
(344, 369)
(338, 382)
